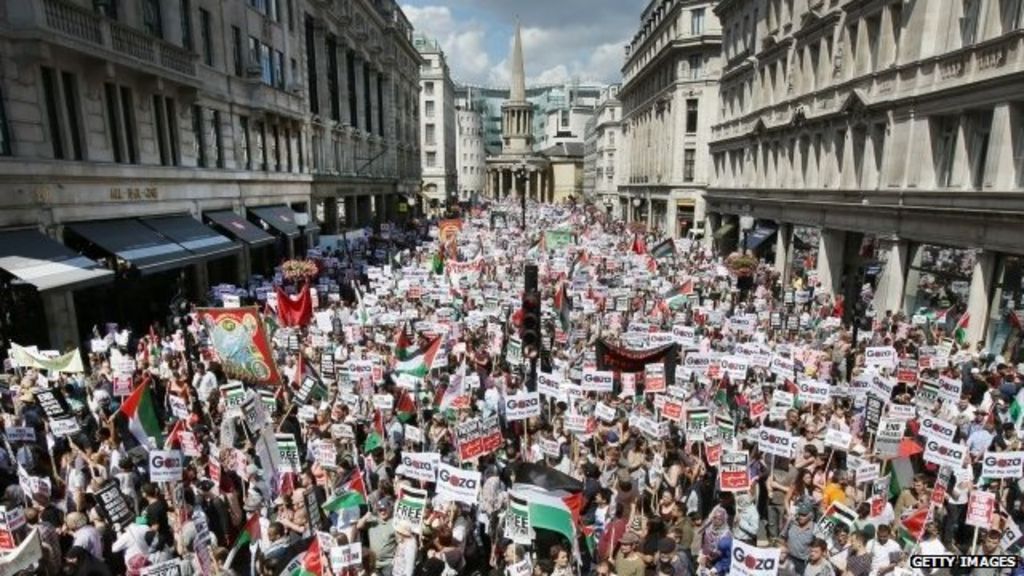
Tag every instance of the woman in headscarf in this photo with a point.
(716, 542)
(747, 519)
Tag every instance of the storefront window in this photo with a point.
(939, 283)
(804, 264)
(1007, 310)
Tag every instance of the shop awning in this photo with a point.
(144, 248)
(280, 218)
(758, 236)
(193, 235)
(239, 228)
(36, 259)
(724, 231)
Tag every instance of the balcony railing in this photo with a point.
(73, 22)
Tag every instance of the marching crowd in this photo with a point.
(683, 413)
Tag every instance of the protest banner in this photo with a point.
(750, 560)
(458, 485)
(165, 465)
(944, 453)
(1002, 465)
(734, 472)
(420, 466)
(522, 406)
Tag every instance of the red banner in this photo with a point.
(294, 310)
(239, 340)
(619, 359)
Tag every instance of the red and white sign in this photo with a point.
(654, 378)
(980, 507)
(734, 474)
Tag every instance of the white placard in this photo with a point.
(458, 485)
(522, 406)
(165, 465)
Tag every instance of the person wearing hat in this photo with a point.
(799, 533)
(403, 563)
(381, 533)
(132, 541)
(628, 561)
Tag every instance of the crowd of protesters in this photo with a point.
(760, 434)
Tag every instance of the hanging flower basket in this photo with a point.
(741, 265)
(299, 270)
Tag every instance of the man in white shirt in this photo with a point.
(884, 550)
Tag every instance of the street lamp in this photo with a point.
(746, 224)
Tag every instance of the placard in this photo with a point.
(421, 466)
(980, 507)
(522, 406)
(889, 437)
(1002, 465)
(734, 472)
(777, 442)
(165, 568)
(750, 560)
(457, 485)
(944, 453)
(597, 381)
(813, 391)
(654, 378)
(935, 427)
(165, 465)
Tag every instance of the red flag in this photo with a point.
(294, 311)
(639, 246)
(914, 523)
(312, 563)
(299, 367)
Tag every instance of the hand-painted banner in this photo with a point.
(239, 339)
(70, 362)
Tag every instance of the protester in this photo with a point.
(401, 403)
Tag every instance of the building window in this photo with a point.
(696, 66)
(969, 22)
(245, 144)
(367, 104)
(689, 164)
(277, 149)
(353, 106)
(218, 143)
(165, 119)
(431, 159)
(186, 24)
(428, 88)
(333, 93)
(380, 104)
(311, 77)
(236, 50)
(206, 32)
(429, 135)
(981, 128)
(428, 109)
(106, 8)
(5, 135)
(199, 137)
(151, 21)
(259, 148)
(944, 149)
(266, 65)
(692, 108)
(259, 5)
(121, 123)
(279, 69)
(697, 21)
(60, 93)
(1010, 14)
(563, 118)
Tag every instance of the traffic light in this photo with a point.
(531, 328)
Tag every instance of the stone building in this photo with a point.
(876, 148)
(155, 147)
(470, 150)
(438, 132)
(601, 159)
(669, 94)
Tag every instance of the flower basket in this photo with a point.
(741, 265)
(299, 270)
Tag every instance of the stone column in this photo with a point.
(501, 184)
(61, 319)
(892, 283)
(982, 279)
(671, 225)
(357, 64)
(784, 251)
(912, 277)
(650, 211)
(831, 251)
(351, 212)
(998, 172)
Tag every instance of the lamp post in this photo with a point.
(746, 224)
(636, 208)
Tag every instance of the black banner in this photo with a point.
(53, 403)
(619, 359)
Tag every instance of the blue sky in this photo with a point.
(562, 39)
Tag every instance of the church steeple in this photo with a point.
(518, 90)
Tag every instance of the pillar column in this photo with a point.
(982, 279)
(830, 260)
(650, 211)
(501, 184)
(671, 225)
(998, 172)
(61, 319)
(351, 212)
(784, 251)
(357, 64)
(892, 283)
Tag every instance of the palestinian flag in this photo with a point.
(902, 473)
(250, 535)
(912, 524)
(351, 495)
(142, 422)
(838, 513)
(312, 561)
(405, 408)
(420, 364)
(454, 396)
(563, 307)
(405, 343)
(678, 297)
(1017, 410)
(549, 510)
(639, 246)
(663, 249)
(960, 331)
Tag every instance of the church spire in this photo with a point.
(518, 90)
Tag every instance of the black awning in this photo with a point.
(758, 236)
(38, 260)
(144, 248)
(193, 235)
(239, 228)
(280, 218)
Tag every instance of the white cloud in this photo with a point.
(462, 42)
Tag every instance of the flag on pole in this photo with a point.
(663, 249)
(960, 331)
(142, 421)
(639, 246)
(420, 364)
(563, 306)
(312, 562)
(405, 344)
(351, 495)
(249, 535)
